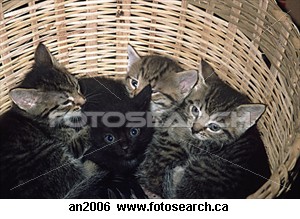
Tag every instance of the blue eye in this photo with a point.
(134, 83)
(109, 138)
(214, 127)
(134, 132)
(195, 110)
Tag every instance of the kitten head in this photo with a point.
(48, 91)
(215, 113)
(120, 146)
(169, 82)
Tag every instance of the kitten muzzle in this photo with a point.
(125, 147)
(80, 100)
(196, 128)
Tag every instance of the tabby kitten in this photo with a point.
(117, 142)
(163, 74)
(226, 156)
(162, 152)
(36, 160)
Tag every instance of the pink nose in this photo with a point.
(80, 100)
(196, 128)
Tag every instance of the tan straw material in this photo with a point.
(252, 44)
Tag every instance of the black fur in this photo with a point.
(113, 176)
(107, 95)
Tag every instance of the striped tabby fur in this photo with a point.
(227, 158)
(162, 154)
(36, 158)
(198, 156)
(164, 75)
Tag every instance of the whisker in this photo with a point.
(94, 101)
(90, 94)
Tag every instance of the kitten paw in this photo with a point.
(79, 143)
(90, 167)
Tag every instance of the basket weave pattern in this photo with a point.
(252, 45)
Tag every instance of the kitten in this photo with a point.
(226, 156)
(163, 74)
(35, 145)
(170, 85)
(118, 141)
(122, 137)
(162, 152)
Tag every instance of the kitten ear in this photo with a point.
(25, 99)
(143, 98)
(186, 80)
(201, 81)
(43, 57)
(206, 72)
(133, 56)
(248, 114)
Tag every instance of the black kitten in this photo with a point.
(118, 136)
(35, 144)
(118, 140)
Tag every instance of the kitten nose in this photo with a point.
(125, 147)
(136, 92)
(196, 128)
(133, 94)
(80, 100)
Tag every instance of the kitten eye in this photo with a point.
(195, 111)
(214, 127)
(134, 132)
(68, 102)
(134, 83)
(109, 138)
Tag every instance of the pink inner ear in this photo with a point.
(250, 113)
(256, 112)
(28, 103)
(187, 81)
(24, 99)
(184, 86)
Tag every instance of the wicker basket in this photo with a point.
(252, 44)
